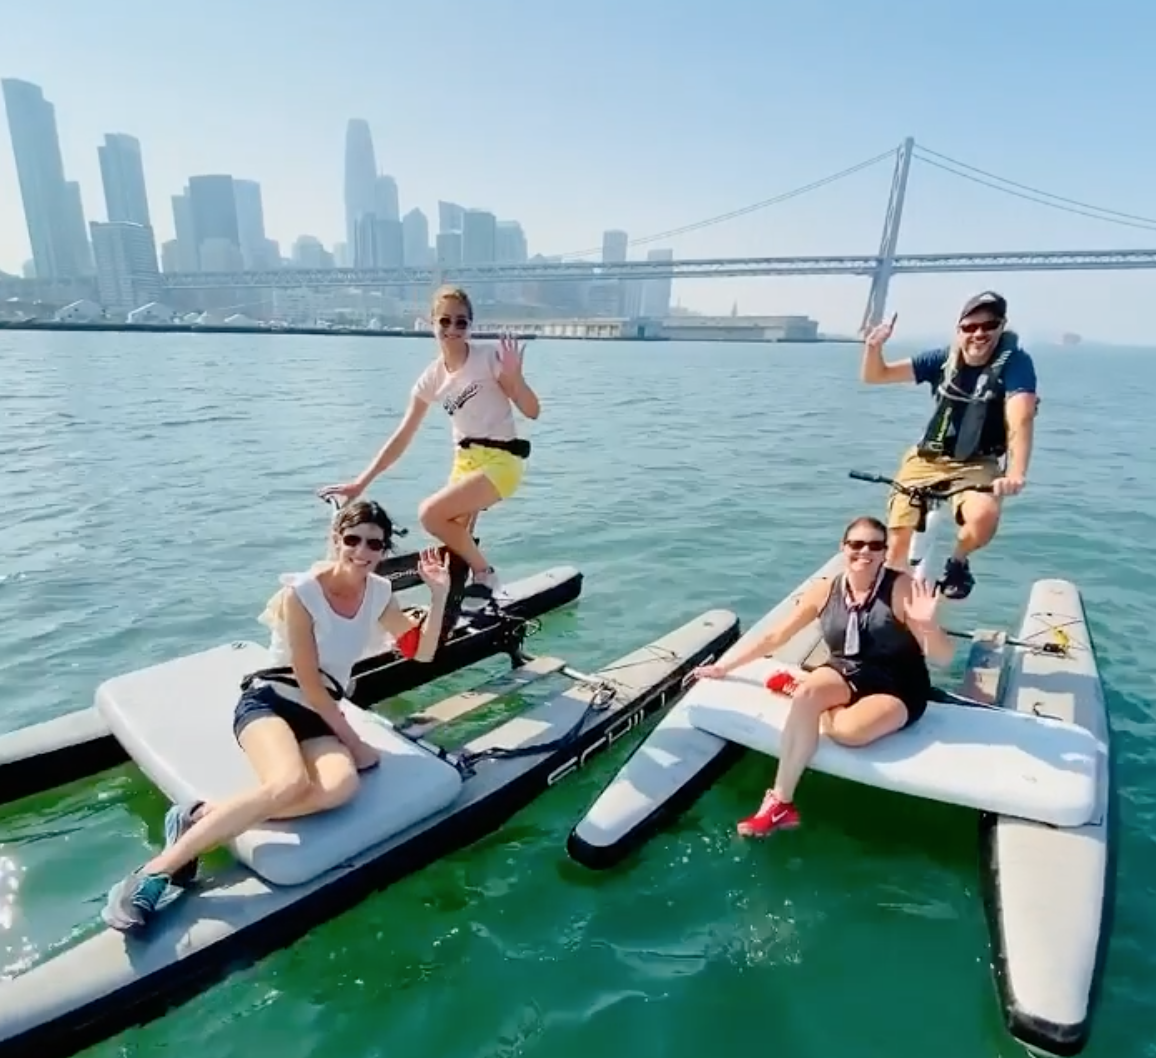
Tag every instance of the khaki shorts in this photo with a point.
(918, 470)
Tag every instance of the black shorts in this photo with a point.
(261, 700)
(911, 686)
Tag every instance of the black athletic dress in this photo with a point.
(889, 659)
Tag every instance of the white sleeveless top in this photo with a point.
(341, 641)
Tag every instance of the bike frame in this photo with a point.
(923, 553)
(933, 500)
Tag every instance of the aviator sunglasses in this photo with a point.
(982, 327)
(374, 543)
(865, 545)
(460, 323)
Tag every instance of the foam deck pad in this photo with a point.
(175, 720)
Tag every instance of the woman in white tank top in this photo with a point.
(478, 386)
(288, 720)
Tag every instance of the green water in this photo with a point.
(155, 486)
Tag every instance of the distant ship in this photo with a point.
(1070, 339)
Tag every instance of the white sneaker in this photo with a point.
(486, 586)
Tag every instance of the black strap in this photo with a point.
(604, 693)
(519, 446)
(284, 674)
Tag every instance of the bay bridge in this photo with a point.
(880, 267)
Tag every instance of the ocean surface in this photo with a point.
(153, 488)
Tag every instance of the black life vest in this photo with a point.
(980, 431)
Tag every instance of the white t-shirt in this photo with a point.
(341, 641)
(471, 396)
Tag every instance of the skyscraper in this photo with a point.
(172, 258)
(656, 292)
(415, 236)
(388, 243)
(126, 265)
(510, 243)
(510, 248)
(450, 216)
(385, 199)
(122, 173)
(480, 247)
(614, 245)
(479, 237)
(59, 246)
(360, 176)
(365, 241)
(308, 252)
(623, 296)
(213, 202)
(187, 257)
(257, 252)
(449, 249)
(213, 205)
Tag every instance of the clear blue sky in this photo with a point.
(639, 114)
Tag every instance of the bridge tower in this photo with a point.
(881, 280)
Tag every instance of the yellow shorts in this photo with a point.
(919, 470)
(503, 469)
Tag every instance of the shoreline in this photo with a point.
(108, 326)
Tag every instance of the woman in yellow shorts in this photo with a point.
(478, 386)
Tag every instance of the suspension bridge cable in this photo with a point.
(1035, 190)
(1143, 225)
(744, 210)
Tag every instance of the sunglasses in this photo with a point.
(865, 545)
(374, 543)
(459, 323)
(983, 327)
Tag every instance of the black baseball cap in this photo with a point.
(989, 299)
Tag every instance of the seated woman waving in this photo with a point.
(879, 626)
(288, 720)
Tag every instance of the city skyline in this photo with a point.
(571, 152)
(218, 225)
(219, 230)
(368, 193)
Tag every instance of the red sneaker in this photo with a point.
(773, 815)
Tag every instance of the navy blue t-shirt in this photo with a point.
(1019, 376)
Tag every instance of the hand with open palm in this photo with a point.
(510, 356)
(923, 604)
(434, 570)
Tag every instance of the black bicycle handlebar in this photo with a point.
(940, 490)
(877, 479)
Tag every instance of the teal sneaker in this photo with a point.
(178, 820)
(133, 900)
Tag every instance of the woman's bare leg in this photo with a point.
(286, 790)
(820, 690)
(867, 721)
(449, 515)
(333, 779)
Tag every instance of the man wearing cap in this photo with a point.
(984, 387)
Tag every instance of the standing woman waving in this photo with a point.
(478, 386)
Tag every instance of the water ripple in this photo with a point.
(156, 485)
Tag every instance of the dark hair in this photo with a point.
(452, 293)
(869, 522)
(364, 512)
